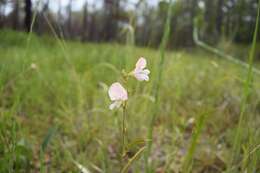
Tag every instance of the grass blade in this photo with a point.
(48, 138)
(157, 85)
(44, 145)
(130, 162)
(218, 52)
(81, 168)
(187, 164)
(246, 93)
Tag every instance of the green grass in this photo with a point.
(72, 97)
(249, 164)
(157, 87)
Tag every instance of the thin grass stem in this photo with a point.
(123, 136)
(246, 93)
(187, 164)
(157, 86)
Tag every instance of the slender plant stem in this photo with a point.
(42, 164)
(123, 130)
(187, 164)
(218, 52)
(157, 87)
(246, 93)
(252, 161)
(123, 134)
(137, 154)
(246, 157)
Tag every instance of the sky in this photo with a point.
(78, 4)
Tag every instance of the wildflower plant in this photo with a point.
(140, 73)
(119, 96)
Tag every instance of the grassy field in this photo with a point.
(54, 108)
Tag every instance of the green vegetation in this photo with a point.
(54, 108)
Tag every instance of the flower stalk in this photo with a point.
(123, 134)
(119, 96)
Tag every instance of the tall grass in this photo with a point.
(48, 96)
(238, 145)
(14, 146)
(156, 87)
(47, 139)
(72, 95)
(188, 159)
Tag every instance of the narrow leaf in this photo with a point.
(130, 162)
(81, 168)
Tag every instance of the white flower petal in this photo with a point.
(146, 78)
(117, 92)
(140, 73)
(141, 63)
(142, 77)
(146, 71)
(115, 104)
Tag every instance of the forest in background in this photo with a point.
(198, 113)
(231, 20)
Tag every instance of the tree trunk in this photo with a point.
(69, 34)
(16, 15)
(2, 15)
(193, 10)
(85, 22)
(28, 15)
(209, 17)
(111, 12)
(41, 18)
(59, 12)
(219, 17)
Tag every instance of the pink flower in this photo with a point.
(117, 94)
(140, 73)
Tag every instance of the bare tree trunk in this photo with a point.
(59, 12)
(60, 21)
(85, 22)
(28, 15)
(209, 18)
(2, 11)
(193, 9)
(69, 33)
(16, 15)
(111, 12)
(219, 17)
(41, 19)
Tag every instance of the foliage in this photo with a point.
(230, 19)
(73, 97)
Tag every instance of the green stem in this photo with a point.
(246, 93)
(123, 130)
(42, 166)
(157, 87)
(218, 52)
(187, 164)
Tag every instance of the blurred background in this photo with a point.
(110, 20)
(54, 85)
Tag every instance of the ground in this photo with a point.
(53, 95)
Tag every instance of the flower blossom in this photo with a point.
(117, 94)
(140, 73)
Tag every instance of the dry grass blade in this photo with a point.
(130, 162)
(81, 168)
